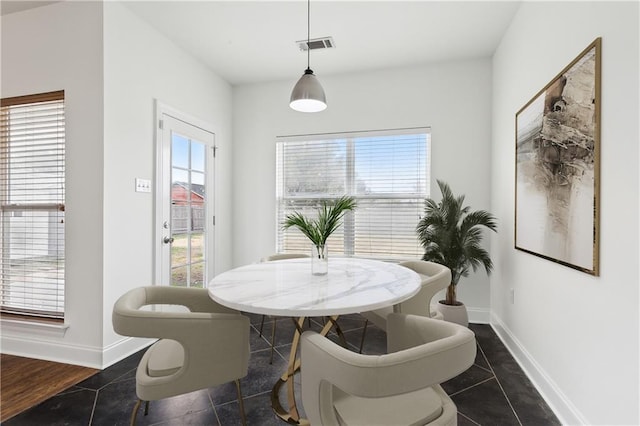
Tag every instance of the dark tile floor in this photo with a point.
(494, 391)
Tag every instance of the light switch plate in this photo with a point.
(143, 185)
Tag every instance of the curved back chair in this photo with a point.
(277, 256)
(435, 277)
(341, 387)
(204, 347)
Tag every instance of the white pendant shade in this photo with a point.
(308, 94)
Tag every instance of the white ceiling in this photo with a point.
(254, 41)
(247, 42)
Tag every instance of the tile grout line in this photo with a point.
(473, 386)
(500, 384)
(97, 391)
(244, 398)
(215, 412)
(469, 418)
(120, 379)
(488, 370)
(93, 409)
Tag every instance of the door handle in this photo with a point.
(167, 240)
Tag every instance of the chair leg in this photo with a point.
(261, 325)
(273, 339)
(364, 330)
(134, 413)
(241, 403)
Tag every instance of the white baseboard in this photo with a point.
(122, 349)
(566, 412)
(479, 315)
(47, 350)
(86, 356)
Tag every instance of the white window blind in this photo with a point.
(387, 172)
(32, 191)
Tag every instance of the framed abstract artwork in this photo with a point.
(558, 167)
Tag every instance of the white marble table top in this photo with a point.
(287, 287)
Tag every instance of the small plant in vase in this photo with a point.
(318, 230)
(451, 235)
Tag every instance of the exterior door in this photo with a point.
(184, 207)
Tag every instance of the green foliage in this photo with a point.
(330, 215)
(451, 234)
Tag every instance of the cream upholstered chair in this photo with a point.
(435, 277)
(340, 387)
(206, 346)
(277, 256)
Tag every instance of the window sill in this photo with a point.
(54, 329)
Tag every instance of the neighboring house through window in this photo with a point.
(187, 205)
(387, 172)
(32, 203)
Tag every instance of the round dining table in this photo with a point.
(287, 288)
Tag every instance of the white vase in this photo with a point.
(319, 260)
(454, 313)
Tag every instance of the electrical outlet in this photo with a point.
(143, 185)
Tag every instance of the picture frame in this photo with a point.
(557, 188)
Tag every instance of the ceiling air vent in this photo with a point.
(317, 43)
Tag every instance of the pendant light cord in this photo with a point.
(308, 31)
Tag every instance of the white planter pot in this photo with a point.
(454, 313)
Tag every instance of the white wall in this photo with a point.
(453, 98)
(53, 48)
(111, 77)
(141, 66)
(577, 335)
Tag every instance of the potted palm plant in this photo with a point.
(451, 234)
(330, 214)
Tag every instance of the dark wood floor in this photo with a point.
(25, 382)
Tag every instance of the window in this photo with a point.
(388, 174)
(32, 188)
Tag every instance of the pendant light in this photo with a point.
(308, 94)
